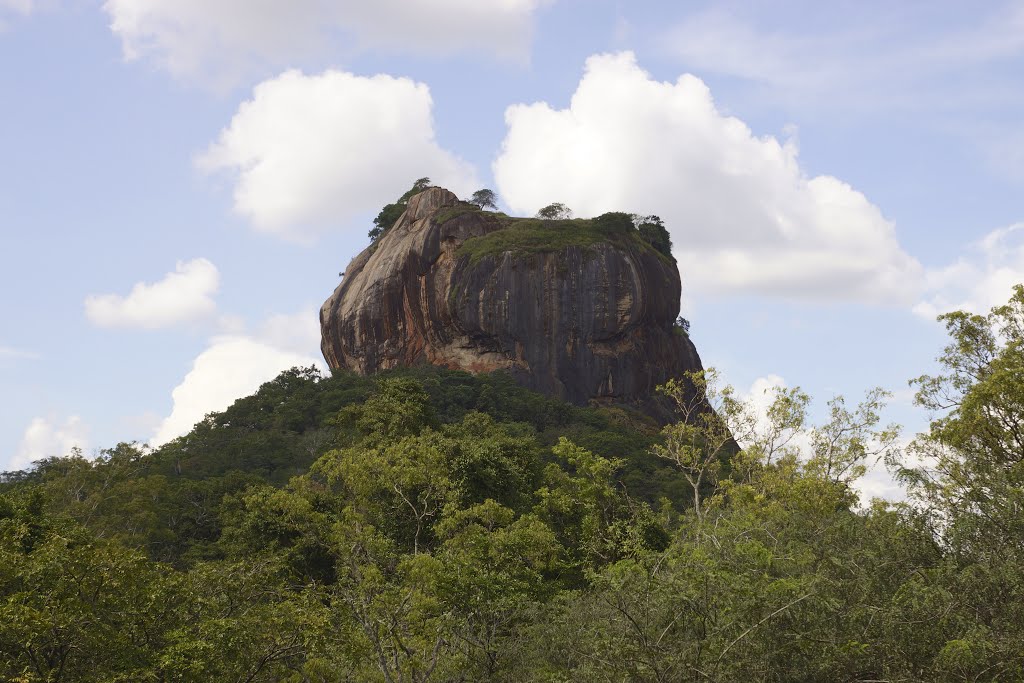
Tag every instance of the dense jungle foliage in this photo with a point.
(432, 526)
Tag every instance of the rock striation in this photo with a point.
(584, 316)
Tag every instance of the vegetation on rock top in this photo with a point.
(551, 230)
(524, 236)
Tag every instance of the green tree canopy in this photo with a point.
(556, 211)
(653, 230)
(485, 199)
(390, 214)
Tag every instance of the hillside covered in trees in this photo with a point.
(430, 525)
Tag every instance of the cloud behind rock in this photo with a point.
(744, 216)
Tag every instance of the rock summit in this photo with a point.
(583, 310)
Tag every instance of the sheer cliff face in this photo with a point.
(580, 323)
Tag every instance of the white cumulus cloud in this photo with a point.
(756, 424)
(48, 437)
(223, 40)
(311, 151)
(184, 295)
(296, 332)
(230, 368)
(744, 216)
(761, 395)
(979, 280)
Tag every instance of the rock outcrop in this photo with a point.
(585, 317)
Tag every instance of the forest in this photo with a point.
(430, 525)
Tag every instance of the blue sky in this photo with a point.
(182, 180)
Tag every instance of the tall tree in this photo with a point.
(968, 472)
(485, 199)
(555, 211)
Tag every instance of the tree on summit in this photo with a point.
(418, 186)
(556, 211)
(484, 198)
(390, 214)
(653, 230)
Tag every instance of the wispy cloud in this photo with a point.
(884, 57)
(16, 6)
(9, 352)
